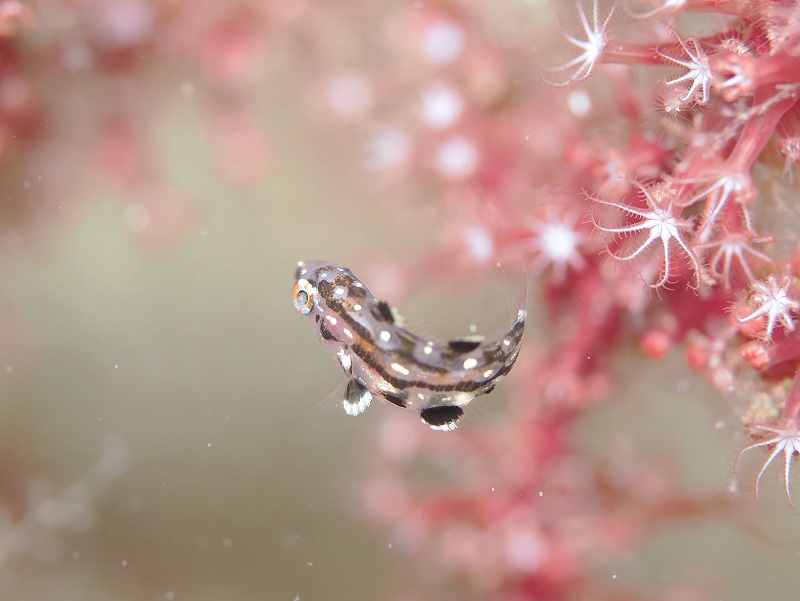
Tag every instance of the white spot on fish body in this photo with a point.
(347, 332)
(470, 363)
(385, 336)
(428, 349)
(339, 291)
(357, 307)
(345, 360)
(331, 319)
(488, 373)
(399, 368)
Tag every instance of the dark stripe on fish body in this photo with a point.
(368, 357)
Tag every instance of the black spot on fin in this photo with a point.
(441, 417)
(464, 345)
(384, 312)
(356, 397)
(397, 399)
(354, 391)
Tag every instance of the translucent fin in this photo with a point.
(514, 259)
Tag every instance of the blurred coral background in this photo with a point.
(169, 426)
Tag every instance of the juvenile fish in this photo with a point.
(382, 358)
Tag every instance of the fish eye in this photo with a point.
(304, 296)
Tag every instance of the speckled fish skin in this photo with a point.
(382, 358)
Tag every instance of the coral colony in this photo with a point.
(650, 181)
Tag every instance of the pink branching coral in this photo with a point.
(109, 53)
(596, 34)
(682, 243)
(49, 512)
(661, 223)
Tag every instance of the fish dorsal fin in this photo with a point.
(513, 259)
(383, 311)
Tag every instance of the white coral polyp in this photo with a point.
(457, 158)
(772, 299)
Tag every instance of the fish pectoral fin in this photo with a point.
(356, 397)
(442, 417)
(395, 399)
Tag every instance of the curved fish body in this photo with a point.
(382, 358)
